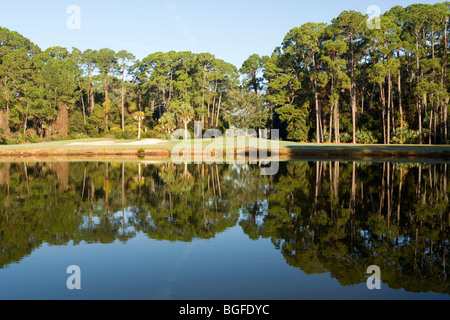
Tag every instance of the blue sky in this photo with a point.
(231, 30)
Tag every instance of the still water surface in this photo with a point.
(160, 231)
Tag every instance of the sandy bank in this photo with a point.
(144, 142)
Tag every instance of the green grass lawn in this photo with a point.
(288, 149)
(67, 144)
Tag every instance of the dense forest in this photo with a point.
(352, 80)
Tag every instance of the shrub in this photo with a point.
(78, 136)
(156, 133)
(3, 139)
(365, 137)
(16, 138)
(405, 136)
(76, 123)
(131, 132)
(346, 138)
(117, 133)
(31, 136)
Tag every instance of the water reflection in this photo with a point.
(323, 217)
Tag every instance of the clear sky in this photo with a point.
(231, 30)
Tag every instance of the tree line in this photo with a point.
(348, 81)
(359, 81)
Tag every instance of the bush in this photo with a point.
(3, 139)
(31, 136)
(156, 133)
(76, 123)
(130, 135)
(346, 138)
(16, 138)
(117, 133)
(78, 136)
(365, 137)
(326, 136)
(405, 136)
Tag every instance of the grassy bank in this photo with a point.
(97, 148)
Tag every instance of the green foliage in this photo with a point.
(31, 136)
(76, 124)
(3, 139)
(245, 110)
(131, 132)
(168, 122)
(365, 137)
(78, 136)
(406, 136)
(342, 70)
(317, 226)
(251, 69)
(296, 120)
(117, 133)
(346, 137)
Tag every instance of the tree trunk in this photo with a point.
(353, 92)
(418, 103)
(330, 138)
(316, 99)
(214, 105)
(436, 113)
(337, 133)
(139, 129)
(400, 106)
(431, 126)
(444, 82)
(91, 92)
(420, 120)
(389, 109)
(383, 111)
(218, 110)
(106, 105)
(123, 100)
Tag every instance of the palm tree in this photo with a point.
(185, 113)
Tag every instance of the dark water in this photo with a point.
(160, 231)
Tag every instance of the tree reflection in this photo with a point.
(341, 218)
(323, 217)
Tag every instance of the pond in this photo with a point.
(158, 231)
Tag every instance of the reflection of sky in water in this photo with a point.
(228, 267)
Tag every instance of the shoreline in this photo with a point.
(287, 151)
